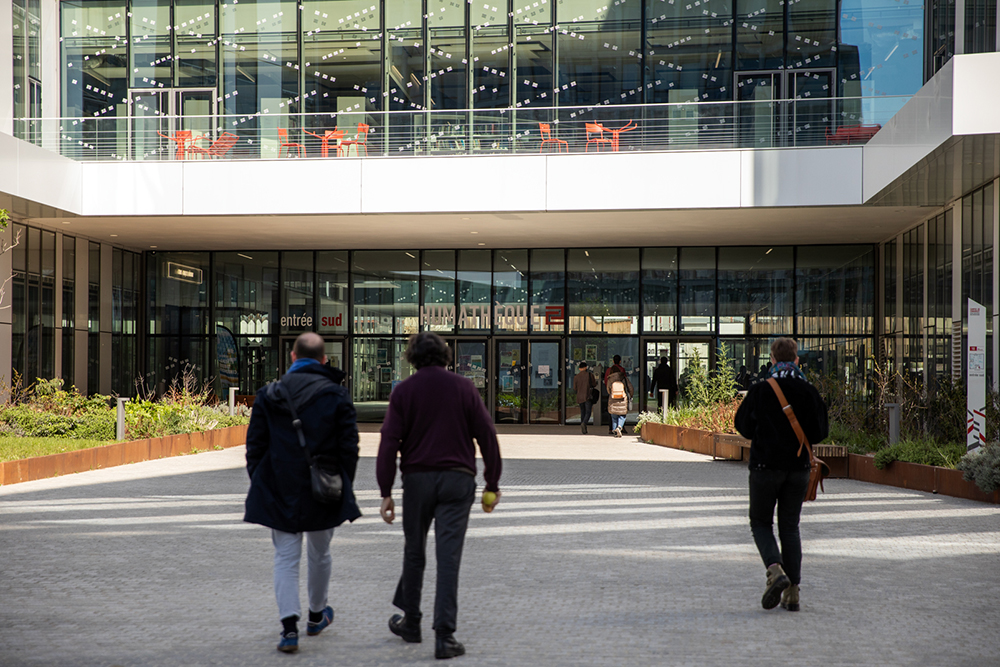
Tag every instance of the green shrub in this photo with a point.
(982, 467)
(647, 417)
(926, 452)
(857, 441)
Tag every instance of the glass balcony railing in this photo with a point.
(150, 136)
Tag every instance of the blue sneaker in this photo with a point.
(313, 629)
(289, 642)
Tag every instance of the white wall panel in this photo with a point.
(448, 184)
(132, 188)
(48, 178)
(801, 177)
(272, 187)
(613, 181)
(976, 94)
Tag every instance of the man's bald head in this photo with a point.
(309, 346)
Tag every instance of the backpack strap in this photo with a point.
(277, 392)
(790, 413)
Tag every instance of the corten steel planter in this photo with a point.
(731, 447)
(120, 453)
(932, 479)
(694, 440)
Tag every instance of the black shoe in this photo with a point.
(585, 430)
(447, 647)
(401, 627)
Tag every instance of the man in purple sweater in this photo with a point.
(432, 419)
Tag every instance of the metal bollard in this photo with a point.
(232, 401)
(120, 429)
(894, 417)
(665, 398)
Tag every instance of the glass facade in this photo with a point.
(27, 28)
(519, 320)
(150, 68)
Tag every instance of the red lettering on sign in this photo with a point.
(555, 315)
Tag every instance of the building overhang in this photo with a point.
(943, 143)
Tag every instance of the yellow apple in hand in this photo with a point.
(489, 500)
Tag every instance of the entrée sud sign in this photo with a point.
(466, 317)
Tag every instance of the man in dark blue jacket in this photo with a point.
(280, 494)
(779, 472)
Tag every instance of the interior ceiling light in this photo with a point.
(244, 256)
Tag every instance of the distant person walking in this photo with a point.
(620, 393)
(664, 378)
(432, 419)
(280, 494)
(583, 382)
(779, 473)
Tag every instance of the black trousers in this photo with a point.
(787, 489)
(444, 497)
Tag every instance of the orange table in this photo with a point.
(336, 135)
(614, 133)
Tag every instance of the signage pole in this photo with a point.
(975, 365)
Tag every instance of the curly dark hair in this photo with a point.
(427, 349)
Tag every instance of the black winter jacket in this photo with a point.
(280, 495)
(773, 443)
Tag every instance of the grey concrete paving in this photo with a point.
(642, 559)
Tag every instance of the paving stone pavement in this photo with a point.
(644, 558)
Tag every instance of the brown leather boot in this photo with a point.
(790, 598)
(777, 581)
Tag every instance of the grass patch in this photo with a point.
(13, 448)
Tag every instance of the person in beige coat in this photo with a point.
(620, 393)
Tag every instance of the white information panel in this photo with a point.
(975, 365)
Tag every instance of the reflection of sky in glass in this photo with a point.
(888, 35)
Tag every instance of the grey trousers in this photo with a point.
(287, 556)
(445, 498)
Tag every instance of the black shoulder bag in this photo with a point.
(327, 487)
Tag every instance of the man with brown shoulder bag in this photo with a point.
(780, 465)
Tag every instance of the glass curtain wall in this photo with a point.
(177, 293)
(259, 60)
(247, 301)
(94, 319)
(939, 296)
(977, 262)
(980, 26)
(125, 286)
(913, 304)
(835, 309)
(27, 73)
(576, 304)
(68, 311)
(603, 290)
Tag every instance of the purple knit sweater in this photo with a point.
(432, 419)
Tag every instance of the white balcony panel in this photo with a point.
(631, 181)
(132, 188)
(450, 184)
(976, 94)
(801, 177)
(272, 187)
(39, 175)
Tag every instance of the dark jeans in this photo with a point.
(787, 488)
(446, 498)
(585, 409)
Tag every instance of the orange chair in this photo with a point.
(283, 142)
(598, 129)
(360, 140)
(219, 147)
(546, 130)
(182, 138)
